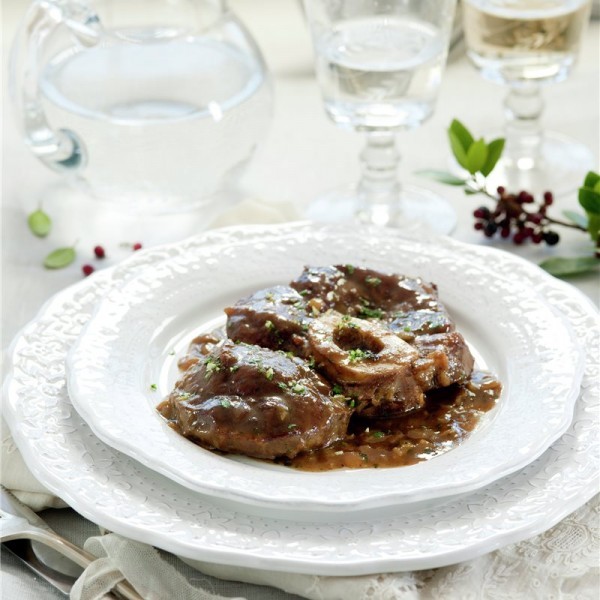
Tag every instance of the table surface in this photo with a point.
(302, 155)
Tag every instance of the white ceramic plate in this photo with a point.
(118, 493)
(141, 328)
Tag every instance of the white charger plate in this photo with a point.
(118, 493)
(137, 333)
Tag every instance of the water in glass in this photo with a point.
(380, 71)
(158, 107)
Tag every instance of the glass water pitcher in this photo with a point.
(153, 104)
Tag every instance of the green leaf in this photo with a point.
(39, 223)
(495, 148)
(576, 218)
(462, 134)
(60, 258)
(470, 192)
(590, 200)
(477, 156)
(563, 267)
(457, 149)
(597, 186)
(591, 180)
(442, 176)
(594, 227)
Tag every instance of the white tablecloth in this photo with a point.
(304, 154)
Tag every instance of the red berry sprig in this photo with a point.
(512, 218)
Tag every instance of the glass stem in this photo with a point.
(379, 189)
(523, 108)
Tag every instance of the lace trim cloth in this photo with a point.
(562, 563)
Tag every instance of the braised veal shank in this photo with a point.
(297, 365)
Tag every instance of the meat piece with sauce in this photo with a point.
(255, 401)
(444, 359)
(408, 302)
(273, 318)
(372, 364)
(409, 307)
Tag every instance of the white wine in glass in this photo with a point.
(379, 65)
(524, 44)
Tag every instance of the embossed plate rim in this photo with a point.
(119, 494)
(98, 392)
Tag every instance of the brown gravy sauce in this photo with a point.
(448, 417)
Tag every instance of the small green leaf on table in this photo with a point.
(60, 258)
(477, 156)
(39, 223)
(564, 267)
(576, 218)
(495, 149)
(461, 134)
(590, 200)
(442, 176)
(457, 149)
(592, 180)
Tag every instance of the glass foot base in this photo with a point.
(561, 170)
(418, 205)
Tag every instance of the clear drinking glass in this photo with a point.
(151, 105)
(379, 64)
(525, 44)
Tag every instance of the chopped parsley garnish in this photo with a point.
(153, 387)
(225, 403)
(292, 386)
(184, 395)
(269, 325)
(346, 321)
(269, 373)
(292, 426)
(350, 269)
(234, 368)
(378, 434)
(311, 362)
(357, 354)
(370, 313)
(374, 281)
(351, 403)
(303, 292)
(407, 329)
(269, 297)
(213, 365)
(337, 390)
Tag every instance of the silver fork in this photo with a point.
(19, 522)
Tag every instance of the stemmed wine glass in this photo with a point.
(525, 44)
(379, 64)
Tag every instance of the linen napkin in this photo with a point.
(561, 563)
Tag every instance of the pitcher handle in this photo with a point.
(60, 149)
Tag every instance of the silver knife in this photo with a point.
(19, 522)
(22, 550)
